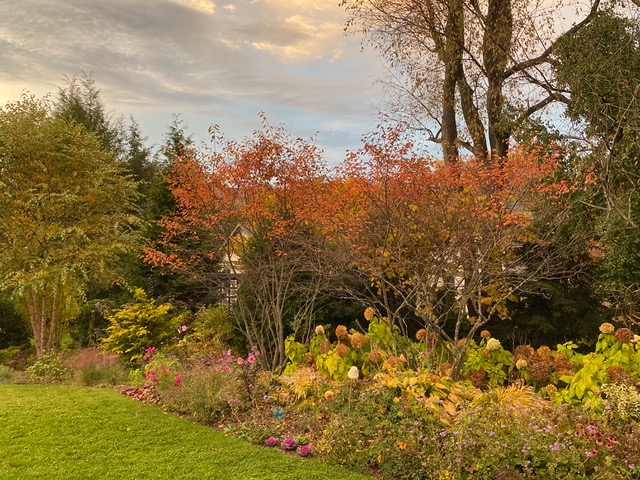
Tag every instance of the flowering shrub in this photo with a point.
(160, 370)
(50, 368)
(487, 363)
(209, 388)
(383, 433)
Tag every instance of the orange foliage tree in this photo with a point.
(246, 212)
(449, 245)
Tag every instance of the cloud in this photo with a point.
(151, 58)
(204, 6)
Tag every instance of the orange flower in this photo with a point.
(402, 445)
(342, 333)
(369, 313)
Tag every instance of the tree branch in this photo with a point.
(544, 56)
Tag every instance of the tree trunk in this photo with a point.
(496, 50)
(44, 316)
(453, 59)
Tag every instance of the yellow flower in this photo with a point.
(319, 330)
(329, 394)
(379, 458)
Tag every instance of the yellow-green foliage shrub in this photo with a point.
(141, 325)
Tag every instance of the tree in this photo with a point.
(449, 245)
(80, 101)
(245, 213)
(600, 65)
(476, 70)
(66, 214)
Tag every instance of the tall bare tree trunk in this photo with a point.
(453, 55)
(496, 50)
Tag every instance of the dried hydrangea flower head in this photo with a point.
(342, 333)
(358, 340)
(342, 350)
(369, 313)
(493, 344)
(623, 335)
(606, 328)
(375, 356)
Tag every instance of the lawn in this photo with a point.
(63, 432)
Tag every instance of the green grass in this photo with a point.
(62, 432)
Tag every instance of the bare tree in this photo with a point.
(471, 71)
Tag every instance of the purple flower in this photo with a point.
(271, 441)
(289, 444)
(304, 450)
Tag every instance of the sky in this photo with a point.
(211, 61)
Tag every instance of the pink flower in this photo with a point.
(218, 368)
(304, 450)
(178, 380)
(227, 368)
(271, 441)
(251, 358)
(183, 328)
(239, 361)
(289, 443)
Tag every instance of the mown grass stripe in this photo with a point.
(64, 432)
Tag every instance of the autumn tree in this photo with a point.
(472, 73)
(65, 214)
(449, 245)
(244, 219)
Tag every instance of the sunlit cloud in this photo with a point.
(309, 39)
(302, 4)
(204, 6)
